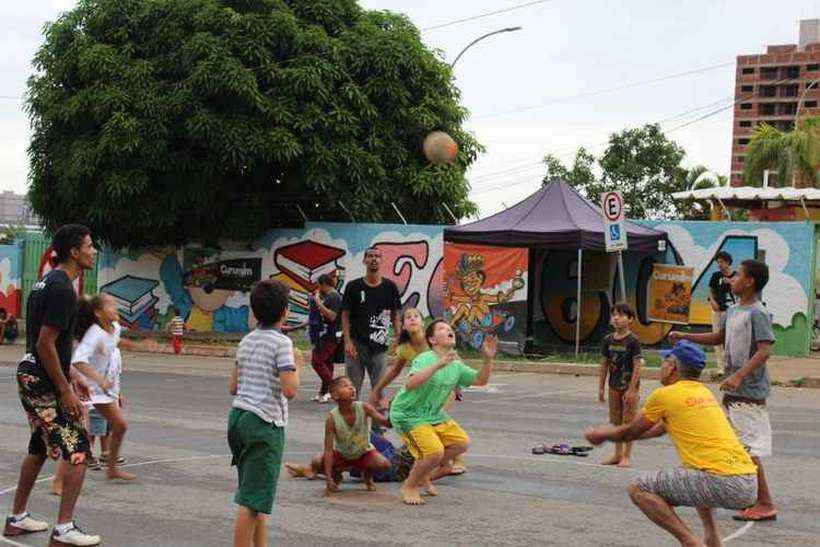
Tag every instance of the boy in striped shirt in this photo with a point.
(177, 330)
(266, 375)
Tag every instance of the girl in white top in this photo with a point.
(98, 357)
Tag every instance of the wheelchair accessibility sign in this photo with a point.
(612, 207)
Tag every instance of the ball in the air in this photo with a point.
(440, 148)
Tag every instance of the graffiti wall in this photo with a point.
(485, 292)
(787, 247)
(10, 278)
(209, 287)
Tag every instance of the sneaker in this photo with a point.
(316, 398)
(75, 536)
(324, 399)
(25, 525)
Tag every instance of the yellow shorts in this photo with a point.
(427, 439)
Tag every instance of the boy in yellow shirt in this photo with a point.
(716, 472)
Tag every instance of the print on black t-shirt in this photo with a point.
(52, 302)
(370, 309)
(621, 354)
(721, 288)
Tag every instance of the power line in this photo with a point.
(709, 114)
(486, 14)
(714, 112)
(605, 91)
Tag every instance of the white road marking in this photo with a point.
(10, 542)
(739, 532)
(153, 462)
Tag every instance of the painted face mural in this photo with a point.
(484, 291)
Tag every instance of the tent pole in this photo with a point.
(578, 306)
(621, 275)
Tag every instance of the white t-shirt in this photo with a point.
(99, 349)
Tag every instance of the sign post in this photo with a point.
(612, 206)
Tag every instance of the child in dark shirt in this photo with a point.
(621, 362)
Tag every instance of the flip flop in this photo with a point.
(579, 449)
(580, 453)
(748, 515)
(560, 450)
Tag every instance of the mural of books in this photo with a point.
(305, 261)
(300, 266)
(135, 299)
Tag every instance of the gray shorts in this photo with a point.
(98, 425)
(693, 488)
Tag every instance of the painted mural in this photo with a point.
(10, 278)
(485, 292)
(787, 247)
(209, 286)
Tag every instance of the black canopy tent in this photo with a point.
(556, 217)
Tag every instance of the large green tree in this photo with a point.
(164, 121)
(643, 164)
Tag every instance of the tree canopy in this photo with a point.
(164, 121)
(644, 165)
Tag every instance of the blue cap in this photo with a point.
(688, 354)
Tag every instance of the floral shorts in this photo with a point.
(53, 431)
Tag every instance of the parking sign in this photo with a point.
(612, 207)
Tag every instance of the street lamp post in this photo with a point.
(474, 42)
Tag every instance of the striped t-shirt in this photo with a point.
(261, 356)
(177, 326)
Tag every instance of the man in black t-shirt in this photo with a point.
(50, 390)
(370, 305)
(721, 297)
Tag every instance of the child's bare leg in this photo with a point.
(309, 471)
(113, 414)
(628, 416)
(105, 444)
(260, 531)
(418, 474)
(616, 417)
(374, 464)
(445, 467)
(245, 527)
(711, 534)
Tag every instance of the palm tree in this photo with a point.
(794, 155)
(701, 176)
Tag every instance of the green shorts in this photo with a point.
(257, 448)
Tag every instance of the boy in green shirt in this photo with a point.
(418, 413)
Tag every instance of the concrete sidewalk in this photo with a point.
(211, 360)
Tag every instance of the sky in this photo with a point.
(522, 88)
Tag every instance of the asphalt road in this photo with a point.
(183, 497)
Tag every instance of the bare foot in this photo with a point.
(712, 541)
(298, 471)
(56, 488)
(369, 484)
(430, 488)
(614, 460)
(410, 495)
(458, 469)
(116, 473)
(624, 463)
